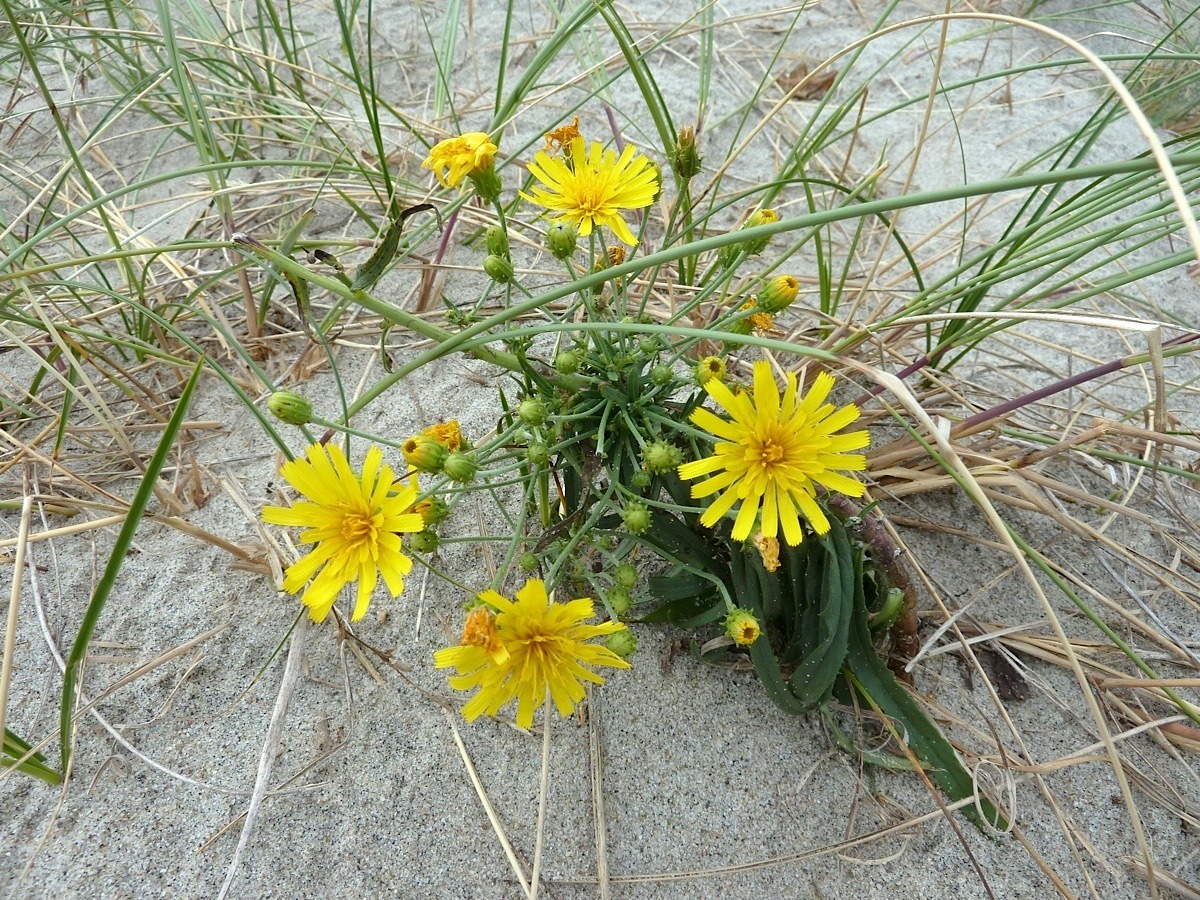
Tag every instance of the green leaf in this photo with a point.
(875, 681)
(813, 680)
(104, 586)
(15, 748)
(745, 587)
(688, 612)
(372, 270)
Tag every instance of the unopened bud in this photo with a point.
(498, 269)
(562, 239)
(686, 159)
(624, 643)
(460, 467)
(636, 517)
(661, 456)
(532, 411)
(567, 362)
(424, 541)
(290, 407)
(620, 601)
(626, 575)
(497, 241)
(424, 453)
(778, 294)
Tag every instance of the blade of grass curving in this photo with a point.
(20, 754)
(116, 558)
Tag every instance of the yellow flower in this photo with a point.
(773, 454)
(591, 186)
(547, 650)
(355, 523)
(561, 136)
(455, 158)
(448, 434)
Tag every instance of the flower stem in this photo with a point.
(536, 874)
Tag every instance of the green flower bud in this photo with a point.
(624, 643)
(537, 453)
(661, 376)
(562, 239)
(650, 344)
(639, 481)
(709, 368)
(750, 248)
(424, 453)
(636, 516)
(661, 457)
(497, 241)
(742, 627)
(460, 467)
(567, 362)
(778, 293)
(626, 575)
(498, 269)
(533, 411)
(432, 510)
(528, 561)
(290, 407)
(686, 159)
(424, 541)
(619, 600)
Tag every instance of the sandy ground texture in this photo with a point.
(680, 779)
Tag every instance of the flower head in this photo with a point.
(355, 522)
(742, 627)
(546, 650)
(774, 453)
(592, 185)
(455, 158)
(558, 138)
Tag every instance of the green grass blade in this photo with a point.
(124, 538)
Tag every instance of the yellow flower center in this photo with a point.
(770, 452)
(358, 527)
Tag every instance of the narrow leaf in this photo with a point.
(104, 586)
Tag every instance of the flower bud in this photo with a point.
(562, 239)
(750, 248)
(424, 541)
(497, 241)
(623, 643)
(537, 454)
(742, 627)
(533, 411)
(528, 561)
(498, 269)
(760, 217)
(661, 456)
(567, 362)
(626, 575)
(778, 293)
(424, 453)
(661, 376)
(709, 368)
(290, 407)
(636, 517)
(619, 600)
(432, 511)
(686, 159)
(639, 480)
(460, 467)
